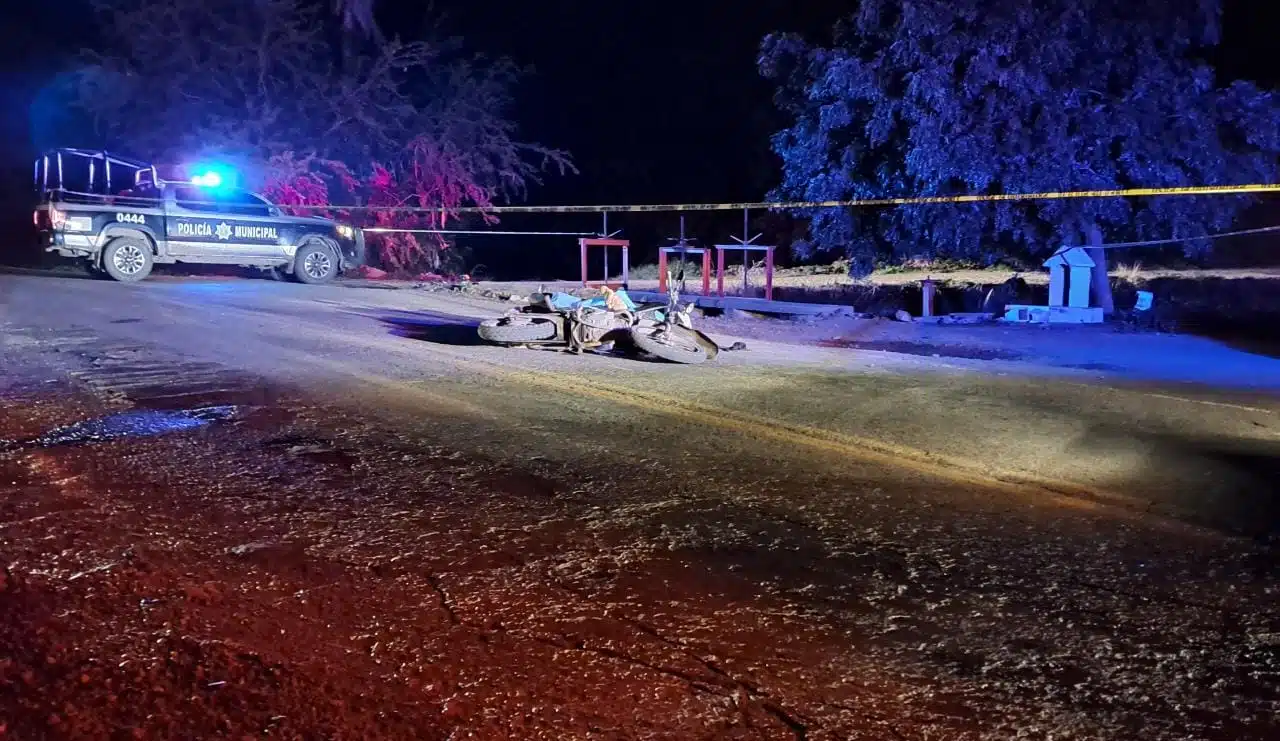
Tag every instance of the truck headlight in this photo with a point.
(346, 232)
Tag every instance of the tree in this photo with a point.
(938, 97)
(259, 83)
(357, 16)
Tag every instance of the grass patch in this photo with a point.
(918, 265)
(1129, 273)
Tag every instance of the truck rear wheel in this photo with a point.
(315, 263)
(127, 259)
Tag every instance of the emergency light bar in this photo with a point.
(207, 180)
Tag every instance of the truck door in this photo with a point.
(221, 225)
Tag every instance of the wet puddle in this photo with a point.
(137, 423)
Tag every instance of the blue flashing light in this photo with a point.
(207, 180)
(212, 175)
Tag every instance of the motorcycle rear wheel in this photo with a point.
(506, 332)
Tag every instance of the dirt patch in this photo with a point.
(252, 581)
(1243, 312)
(293, 574)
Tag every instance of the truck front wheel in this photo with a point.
(127, 260)
(315, 263)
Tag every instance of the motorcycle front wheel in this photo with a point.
(673, 345)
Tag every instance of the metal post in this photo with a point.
(720, 270)
(582, 245)
(746, 260)
(928, 287)
(683, 255)
(626, 267)
(605, 235)
(768, 274)
(662, 270)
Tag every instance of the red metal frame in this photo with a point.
(768, 266)
(625, 244)
(706, 266)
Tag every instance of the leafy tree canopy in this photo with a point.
(937, 97)
(310, 114)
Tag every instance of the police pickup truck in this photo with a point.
(122, 218)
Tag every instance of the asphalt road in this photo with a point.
(412, 351)
(1045, 551)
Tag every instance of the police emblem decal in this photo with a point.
(223, 231)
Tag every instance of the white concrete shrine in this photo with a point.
(1070, 279)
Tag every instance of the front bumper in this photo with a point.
(352, 250)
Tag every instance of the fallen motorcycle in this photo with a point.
(665, 331)
(560, 319)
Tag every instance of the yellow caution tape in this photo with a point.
(1197, 190)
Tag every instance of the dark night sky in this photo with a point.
(657, 100)
(660, 100)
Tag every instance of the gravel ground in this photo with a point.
(401, 535)
(1116, 351)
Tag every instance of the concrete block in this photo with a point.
(1023, 314)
